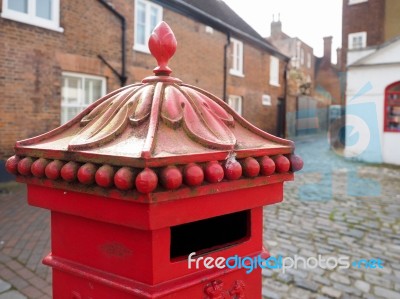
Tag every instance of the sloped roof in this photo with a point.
(217, 14)
(369, 59)
(220, 10)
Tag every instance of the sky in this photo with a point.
(309, 20)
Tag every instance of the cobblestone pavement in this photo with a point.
(334, 208)
(24, 241)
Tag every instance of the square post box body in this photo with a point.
(152, 188)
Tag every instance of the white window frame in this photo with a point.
(309, 62)
(237, 58)
(351, 2)
(148, 30)
(31, 18)
(274, 71)
(266, 100)
(362, 35)
(81, 92)
(235, 102)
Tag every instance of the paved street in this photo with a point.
(24, 241)
(334, 208)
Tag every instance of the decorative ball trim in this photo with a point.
(147, 180)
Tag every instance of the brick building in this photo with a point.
(307, 109)
(301, 67)
(59, 56)
(367, 23)
(328, 77)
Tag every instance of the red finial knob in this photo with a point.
(162, 45)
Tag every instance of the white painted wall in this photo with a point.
(374, 78)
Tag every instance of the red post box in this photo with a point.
(153, 188)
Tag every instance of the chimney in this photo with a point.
(327, 49)
(276, 26)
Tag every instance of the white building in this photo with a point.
(373, 103)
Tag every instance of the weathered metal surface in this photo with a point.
(154, 123)
(146, 135)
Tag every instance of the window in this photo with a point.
(209, 30)
(237, 57)
(392, 108)
(147, 16)
(357, 40)
(41, 13)
(274, 71)
(309, 60)
(78, 91)
(236, 103)
(266, 100)
(301, 56)
(351, 2)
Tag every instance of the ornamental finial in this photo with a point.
(162, 45)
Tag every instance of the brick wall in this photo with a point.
(365, 16)
(32, 61)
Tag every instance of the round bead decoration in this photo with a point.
(38, 167)
(267, 166)
(214, 172)
(296, 162)
(69, 171)
(105, 176)
(124, 178)
(251, 168)
(24, 166)
(193, 175)
(171, 178)
(12, 164)
(282, 164)
(86, 173)
(233, 170)
(53, 169)
(146, 181)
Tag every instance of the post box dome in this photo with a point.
(157, 135)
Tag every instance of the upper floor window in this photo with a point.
(357, 40)
(147, 16)
(237, 57)
(78, 91)
(392, 108)
(301, 56)
(236, 103)
(274, 71)
(309, 60)
(41, 13)
(356, 1)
